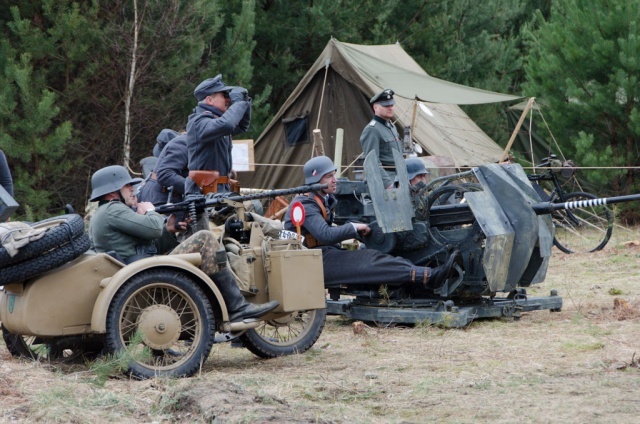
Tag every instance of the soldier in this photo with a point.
(222, 111)
(143, 233)
(381, 136)
(149, 163)
(165, 136)
(417, 187)
(364, 266)
(171, 170)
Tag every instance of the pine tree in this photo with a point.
(584, 66)
(77, 57)
(32, 133)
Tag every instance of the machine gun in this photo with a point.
(226, 202)
(497, 221)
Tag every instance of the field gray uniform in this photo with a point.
(365, 266)
(171, 170)
(116, 227)
(209, 143)
(382, 137)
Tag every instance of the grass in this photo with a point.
(577, 365)
(110, 365)
(583, 346)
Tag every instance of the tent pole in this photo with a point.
(318, 137)
(505, 155)
(338, 154)
(413, 116)
(533, 162)
(324, 85)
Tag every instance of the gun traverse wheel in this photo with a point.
(292, 333)
(165, 323)
(584, 229)
(458, 235)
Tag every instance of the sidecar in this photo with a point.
(59, 299)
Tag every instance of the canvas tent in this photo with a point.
(335, 93)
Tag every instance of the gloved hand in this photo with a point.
(238, 94)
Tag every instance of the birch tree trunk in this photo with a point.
(129, 92)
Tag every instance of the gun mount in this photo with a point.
(492, 214)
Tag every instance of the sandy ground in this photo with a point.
(578, 365)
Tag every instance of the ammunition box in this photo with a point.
(296, 279)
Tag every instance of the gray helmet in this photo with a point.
(415, 167)
(110, 179)
(316, 168)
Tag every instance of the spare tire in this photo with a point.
(62, 229)
(45, 261)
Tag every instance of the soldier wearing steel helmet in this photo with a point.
(133, 235)
(418, 187)
(364, 266)
(320, 207)
(381, 136)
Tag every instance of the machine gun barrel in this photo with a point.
(545, 208)
(460, 213)
(201, 202)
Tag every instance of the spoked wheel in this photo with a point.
(164, 322)
(59, 349)
(26, 346)
(584, 229)
(292, 333)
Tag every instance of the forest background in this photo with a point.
(88, 84)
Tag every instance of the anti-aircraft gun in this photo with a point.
(495, 219)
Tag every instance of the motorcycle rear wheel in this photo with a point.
(293, 333)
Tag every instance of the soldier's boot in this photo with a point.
(438, 275)
(237, 306)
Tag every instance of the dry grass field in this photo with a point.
(578, 365)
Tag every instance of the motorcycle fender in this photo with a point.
(187, 263)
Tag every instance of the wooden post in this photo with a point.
(413, 115)
(338, 154)
(505, 155)
(318, 146)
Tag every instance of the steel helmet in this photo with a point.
(415, 167)
(316, 168)
(110, 179)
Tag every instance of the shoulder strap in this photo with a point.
(320, 203)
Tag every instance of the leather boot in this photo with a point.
(438, 275)
(237, 306)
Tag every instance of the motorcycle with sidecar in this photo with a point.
(59, 299)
